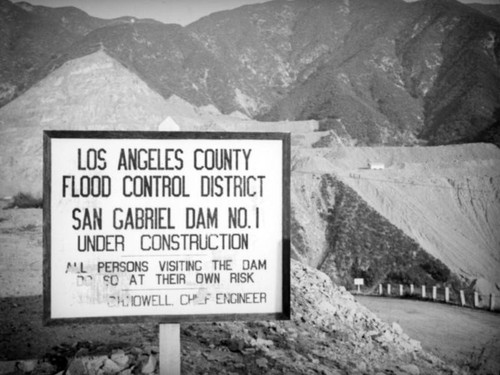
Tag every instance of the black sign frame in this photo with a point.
(48, 135)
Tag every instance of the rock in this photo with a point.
(371, 334)
(411, 369)
(136, 351)
(236, 345)
(111, 367)
(120, 358)
(387, 336)
(361, 367)
(7, 367)
(82, 352)
(77, 367)
(206, 355)
(261, 344)
(45, 368)
(262, 363)
(150, 365)
(27, 365)
(94, 364)
(410, 345)
(397, 328)
(152, 349)
(249, 351)
(86, 365)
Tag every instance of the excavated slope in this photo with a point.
(91, 93)
(446, 198)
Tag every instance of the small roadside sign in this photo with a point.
(359, 282)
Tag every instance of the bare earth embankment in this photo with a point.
(446, 198)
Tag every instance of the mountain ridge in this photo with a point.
(33, 38)
(392, 72)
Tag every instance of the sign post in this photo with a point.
(170, 349)
(166, 227)
(358, 282)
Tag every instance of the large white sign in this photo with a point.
(169, 226)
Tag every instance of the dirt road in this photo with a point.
(460, 335)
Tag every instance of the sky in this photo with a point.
(168, 11)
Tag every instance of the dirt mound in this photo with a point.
(91, 93)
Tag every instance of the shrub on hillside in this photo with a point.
(25, 200)
(437, 270)
(413, 275)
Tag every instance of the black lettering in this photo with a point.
(201, 218)
(115, 266)
(170, 278)
(207, 278)
(94, 159)
(86, 186)
(150, 159)
(100, 243)
(143, 218)
(221, 159)
(241, 277)
(89, 219)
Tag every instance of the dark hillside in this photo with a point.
(164, 56)
(359, 242)
(491, 10)
(466, 92)
(32, 37)
(26, 40)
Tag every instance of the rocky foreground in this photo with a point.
(329, 333)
